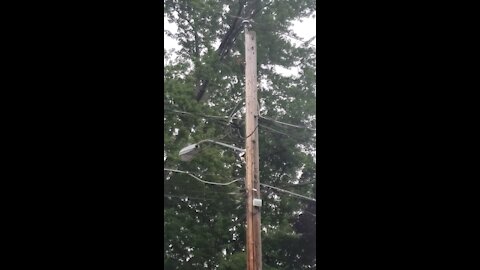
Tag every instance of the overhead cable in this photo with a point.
(274, 130)
(186, 197)
(226, 118)
(203, 181)
(239, 179)
(201, 115)
(286, 124)
(289, 192)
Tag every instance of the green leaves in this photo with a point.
(205, 224)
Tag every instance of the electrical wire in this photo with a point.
(289, 192)
(223, 119)
(234, 110)
(226, 118)
(201, 115)
(302, 184)
(274, 130)
(209, 192)
(252, 132)
(203, 181)
(304, 211)
(287, 124)
(236, 180)
(263, 27)
(186, 197)
(274, 120)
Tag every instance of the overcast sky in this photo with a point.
(305, 29)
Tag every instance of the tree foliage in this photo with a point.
(205, 224)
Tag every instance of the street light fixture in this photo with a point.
(188, 152)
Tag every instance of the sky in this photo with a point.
(305, 28)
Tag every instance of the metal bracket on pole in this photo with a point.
(247, 24)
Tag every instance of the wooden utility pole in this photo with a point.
(252, 179)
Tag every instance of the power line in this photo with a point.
(203, 181)
(287, 124)
(234, 111)
(200, 115)
(226, 118)
(302, 184)
(207, 192)
(186, 197)
(252, 132)
(236, 180)
(289, 192)
(315, 215)
(274, 130)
